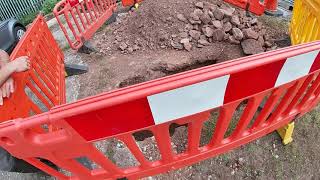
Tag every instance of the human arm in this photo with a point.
(18, 65)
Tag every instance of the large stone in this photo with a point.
(176, 45)
(194, 17)
(210, 6)
(203, 42)
(251, 46)
(228, 11)
(217, 24)
(183, 35)
(185, 40)
(218, 14)
(205, 18)
(188, 27)
(198, 12)
(188, 46)
(199, 5)
(261, 40)
(250, 34)
(235, 20)
(182, 18)
(227, 27)
(237, 33)
(123, 46)
(195, 34)
(233, 40)
(207, 31)
(218, 35)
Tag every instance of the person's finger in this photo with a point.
(11, 87)
(1, 100)
(8, 90)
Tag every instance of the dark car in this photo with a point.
(11, 31)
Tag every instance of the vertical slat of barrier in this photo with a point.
(300, 93)
(80, 16)
(84, 11)
(102, 161)
(267, 109)
(162, 136)
(194, 134)
(287, 99)
(75, 20)
(247, 115)
(133, 147)
(224, 119)
(90, 11)
(310, 92)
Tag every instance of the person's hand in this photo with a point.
(7, 88)
(20, 64)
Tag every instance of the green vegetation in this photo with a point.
(28, 18)
(47, 8)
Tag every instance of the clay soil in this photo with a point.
(111, 68)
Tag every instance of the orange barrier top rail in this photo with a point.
(82, 18)
(44, 83)
(288, 79)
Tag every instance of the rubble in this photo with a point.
(251, 46)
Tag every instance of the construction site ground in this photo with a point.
(117, 62)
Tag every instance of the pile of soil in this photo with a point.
(184, 25)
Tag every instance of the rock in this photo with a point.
(205, 18)
(130, 50)
(211, 14)
(237, 33)
(187, 46)
(196, 27)
(184, 41)
(203, 37)
(195, 34)
(183, 35)
(228, 11)
(218, 35)
(226, 36)
(217, 24)
(218, 14)
(194, 22)
(198, 12)
(251, 46)
(210, 6)
(182, 18)
(227, 27)
(261, 40)
(254, 21)
(235, 20)
(233, 40)
(203, 42)
(123, 46)
(135, 47)
(194, 17)
(250, 34)
(199, 5)
(267, 44)
(207, 31)
(188, 27)
(176, 45)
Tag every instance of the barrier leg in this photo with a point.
(271, 8)
(286, 133)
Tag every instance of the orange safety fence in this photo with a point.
(79, 20)
(44, 83)
(272, 88)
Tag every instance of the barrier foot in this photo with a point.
(75, 69)
(286, 133)
(276, 13)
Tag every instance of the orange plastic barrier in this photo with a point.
(44, 83)
(287, 79)
(83, 18)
